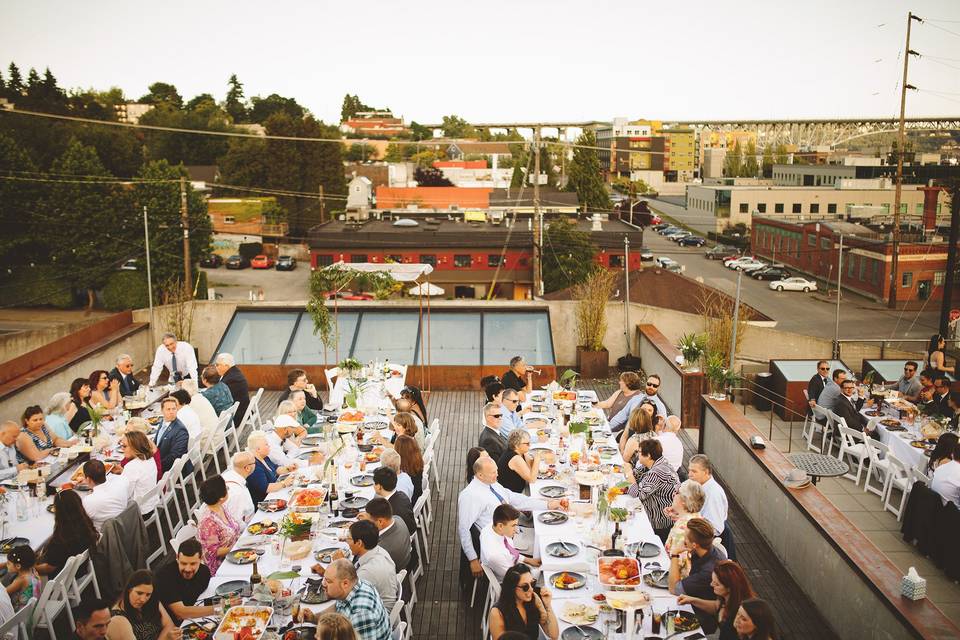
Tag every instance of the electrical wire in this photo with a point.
(944, 29)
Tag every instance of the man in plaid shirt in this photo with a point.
(357, 600)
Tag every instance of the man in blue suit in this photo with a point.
(172, 438)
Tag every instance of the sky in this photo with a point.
(509, 60)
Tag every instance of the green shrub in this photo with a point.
(126, 290)
(44, 285)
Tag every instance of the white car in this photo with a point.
(794, 284)
(669, 264)
(733, 262)
(748, 267)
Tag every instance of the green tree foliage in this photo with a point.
(733, 161)
(780, 154)
(18, 200)
(568, 255)
(456, 127)
(750, 166)
(234, 104)
(766, 163)
(162, 93)
(126, 290)
(15, 82)
(262, 108)
(430, 177)
(37, 285)
(190, 149)
(351, 106)
(420, 132)
(358, 152)
(584, 174)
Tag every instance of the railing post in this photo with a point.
(883, 349)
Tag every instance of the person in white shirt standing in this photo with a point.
(108, 497)
(497, 552)
(715, 506)
(239, 502)
(177, 357)
(140, 470)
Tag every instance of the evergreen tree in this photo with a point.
(568, 255)
(15, 83)
(584, 174)
(163, 93)
(420, 132)
(234, 103)
(33, 83)
(20, 243)
(767, 162)
(750, 167)
(3, 86)
(780, 154)
(733, 161)
(351, 106)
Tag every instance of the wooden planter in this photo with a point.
(592, 364)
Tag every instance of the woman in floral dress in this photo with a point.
(217, 530)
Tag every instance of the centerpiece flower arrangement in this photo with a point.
(351, 367)
(96, 413)
(693, 346)
(295, 526)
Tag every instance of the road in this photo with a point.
(805, 313)
(277, 285)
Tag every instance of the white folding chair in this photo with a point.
(80, 583)
(898, 477)
(153, 520)
(493, 594)
(400, 632)
(879, 467)
(54, 600)
(420, 517)
(852, 446)
(230, 432)
(920, 475)
(252, 416)
(412, 576)
(19, 621)
(172, 512)
(187, 531)
(830, 436)
(816, 426)
(395, 614)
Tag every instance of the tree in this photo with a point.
(780, 154)
(262, 108)
(430, 177)
(15, 83)
(420, 132)
(202, 101)
(351, 106)
(733, 161)
(456, 127)
(750, 167)
(584, 174)
(234, 104)
(21, 241)
(767, 162)
(568, 255)
(163, 93)
(201, 113)
(394, 152)
(359, 152)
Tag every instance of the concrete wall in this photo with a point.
(21, 342)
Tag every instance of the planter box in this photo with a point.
(593, 364)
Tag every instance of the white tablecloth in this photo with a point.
(898, 444)
(373, 393)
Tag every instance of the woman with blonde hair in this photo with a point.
(335, 626)
(639, 428)
(686, 505)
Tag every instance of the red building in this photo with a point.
(433, 197)
(813, 248)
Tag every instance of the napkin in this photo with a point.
(913, 586)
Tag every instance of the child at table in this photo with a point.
(22, 561)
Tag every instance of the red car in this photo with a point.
(262, 262)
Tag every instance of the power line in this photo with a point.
(953, 33)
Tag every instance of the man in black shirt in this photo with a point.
(180, 583)
(297, 381)
(703, 558)
(385, 486)
(515, 376)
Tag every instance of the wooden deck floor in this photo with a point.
(443, 612)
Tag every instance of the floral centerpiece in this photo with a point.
(295, 526)
(351, 367)
(693, 346)
(96, 413)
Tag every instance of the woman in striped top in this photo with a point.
(656, 482)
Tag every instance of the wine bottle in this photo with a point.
(255, 577)
(334, 498)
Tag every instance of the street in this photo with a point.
(277, 285)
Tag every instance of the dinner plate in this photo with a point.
(231, 587)
(561, 549)
(606, 450)
(567, 580)
(303, 631)
(579, 612)
(323, 555)
(273, 504)
(542, 448)
(12, 543)
(242, 556)
(641, 550)
(365, 480)
(306, 455)
(552, 517)
(340, 524)
(683, 621)
(198, 630)
(581, 632)
(356, 502)
(313, 594)
(553, 491)
(657, 578)
(312, 441)
(264, 527)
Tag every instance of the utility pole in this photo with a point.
(146, 241)
(321, 204)
(836, 327)
(892, 303)
(537, 220)
(185, 222)
(626, 294)
(949, 279)
(736, 321)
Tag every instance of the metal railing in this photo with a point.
(885, 343)
(767, 395)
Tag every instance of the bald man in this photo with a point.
(9, 430)
(239, 502)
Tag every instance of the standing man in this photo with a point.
(123, 372)
(180, 583)
(9, 468)
(177, 357)
(231, 376)
(817, 383)
(239, 501)
(357, 600)
(715, 506)
(650, 392)
(172, 439)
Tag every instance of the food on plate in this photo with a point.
(580, 612)
(371, 457)
(264, 527)
(308, 498)
(244, 555)
(77, 476)
(599, 597)
(564, 395)
(351, 416)
(198, 630)
(564, 580)
(627, 599)
(248, 623)
(890, 422)
(619, 571)
(396, 374)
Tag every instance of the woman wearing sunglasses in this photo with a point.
(521, 608)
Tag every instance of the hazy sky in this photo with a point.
(496, 60)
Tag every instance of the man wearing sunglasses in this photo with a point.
(490, 439)
(510, 420)
(909, 383)
(817, 383)
(650, 392)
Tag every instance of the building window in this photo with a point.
(815, 208)
(358, 257)
(324, 260)
(228, 220)
(939, 277)
(850, 265)
(744, 207)
(797, 207)
(778, 207)
(812, 240)
(876, 272)
(427, 258)
(906, 279)
(494, 260)
(863, 268)
(832, 207)
(462, 261)
(826, 244)
(395, 258)
(762, 207)
(616, 261)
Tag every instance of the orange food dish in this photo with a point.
(351, 416)
(619, 571)
(308, 498)
(372, 457)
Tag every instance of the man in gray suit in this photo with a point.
(394, 536)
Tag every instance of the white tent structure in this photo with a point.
(426, 289)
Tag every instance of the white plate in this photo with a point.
(570, 612)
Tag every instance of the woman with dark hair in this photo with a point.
(411, 463)
(217, 531)
(943, 452)
(936, 360)
(522, 609)
(732, 587)
(403, 423)
(35, 441)
(639, 428)
(472, 454)
(80, 393)
(104, 391)
(140, 469)
(138, 614)
(73, 533)
(754, 621)
(517, 467)
(411, 401)
(494, 391)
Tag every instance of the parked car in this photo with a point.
(676, 235)
(770, 273)
(731, 263)
(667, 229)
(669, 264)
(237, 262)
(660, 225)
(262, 262)
(720, 251)
(211, 261)
(751, 266)
(794, 284)
(645, 254)
(691, 241)
(129, 265)
(286, 263)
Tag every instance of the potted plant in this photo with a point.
(692, 346)
(92, 427)
(718, 376)
(592, 296)
(350, 367)
(569, 379)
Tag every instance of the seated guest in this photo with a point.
(141, 425)
(181, 581)
(288, 416)
(411, 464)
(334, 626)
(831, 392)
(510, 420)
(60, 411)
(215, 391)
(655, 483)
(943, 452)
(941, 396)
(518, 377)
(946, 479)
(80, 394)
(391, 460)
(138, 614)
(357, 600)
(953, 401)
(521, 608)
(123, 374)
(141, 469)
(926, 387)
(497, 552)
(394, 535)
(285, 444)
(848, 408)
(909, 383)
(411, 401)
(9, 467)
(490, 438)
(264, 477)
(297, 381)
(172, 438)
(650, 392)
(473, 453)
(818, 382)
(304, 415)
(477, 502)
(402, 424)
(206, 414)
(630, 385)
(639, 428)
(35, 441)
(730, 588)
(385, 486)
(187, 415)
(754, 621)
(239, 503)
(686, 505)
(217, 531)
(73, 533)
(26, 581)
(104, 391)
(108, 496)
(517, 467)
(493, 390)
(92, 617)
(715, 506)
(231, 376)
(374, 564)
(672, 446)
(704, 556)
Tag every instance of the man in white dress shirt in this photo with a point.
(9, 468)
(715, 506)
(239, 502)
(187, 415)
(175, 356)
(477, 502)
(497, 552)
(670, 441)
(204, 410)
(108, 496)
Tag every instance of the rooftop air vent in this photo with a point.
(405, 222)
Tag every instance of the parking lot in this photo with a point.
(237, 284)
